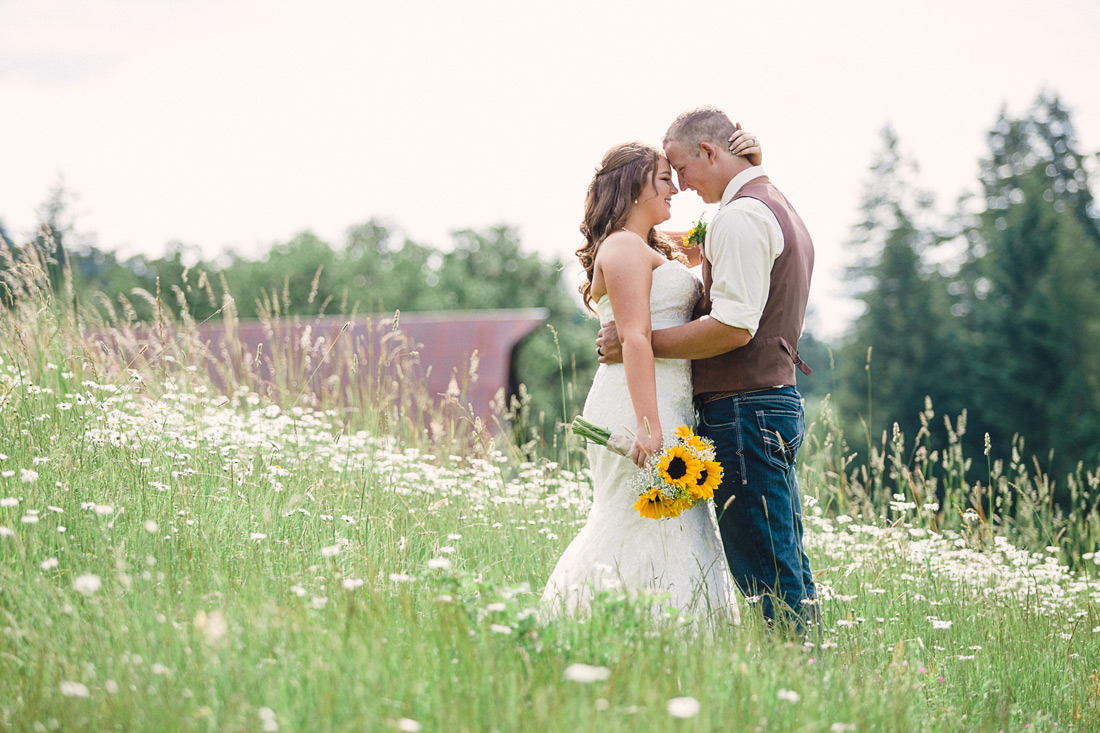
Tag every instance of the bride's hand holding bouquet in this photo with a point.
(677, 477)
(647, 443)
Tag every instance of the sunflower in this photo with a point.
(652, 505)
(684, 432)
(678, 466)
(699, 445)
(708, 481)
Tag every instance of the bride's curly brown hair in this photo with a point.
(624, 171)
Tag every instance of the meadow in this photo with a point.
(185, 553)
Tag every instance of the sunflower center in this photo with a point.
(677, 468)
(703, 477)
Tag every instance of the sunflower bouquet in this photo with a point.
(683, 474)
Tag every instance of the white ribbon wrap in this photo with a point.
(620, 443)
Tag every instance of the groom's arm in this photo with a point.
(698, 339)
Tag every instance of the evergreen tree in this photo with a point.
(906, 327)
(1031, 290)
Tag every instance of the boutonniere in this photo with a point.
(697, 235)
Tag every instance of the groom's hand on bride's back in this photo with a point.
(608, 348)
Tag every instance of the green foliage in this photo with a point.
(1031, 291)
(996, 312)
(907, 325)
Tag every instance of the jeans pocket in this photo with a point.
(717, 419)
(782, 430)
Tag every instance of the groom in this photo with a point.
(756, 266)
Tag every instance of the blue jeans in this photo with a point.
(756, 436)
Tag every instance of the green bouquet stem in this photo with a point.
(615, 442)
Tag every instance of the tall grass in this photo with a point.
(187, 552)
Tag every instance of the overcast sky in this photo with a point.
(227, 124)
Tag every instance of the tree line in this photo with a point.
(992, 310)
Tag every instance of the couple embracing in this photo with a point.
(720, 355)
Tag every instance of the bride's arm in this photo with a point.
(628, 275)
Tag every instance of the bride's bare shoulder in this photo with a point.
(621, 244)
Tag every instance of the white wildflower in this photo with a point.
(789, 695)
(10, 501)
(500, 629)
(87, 584)
(352, 583)
(330, 551)
(257, 536)
(214, 627)
(267, 720)
(408, 725)
(586, 673)
(28, 476)
(439, 563)
(73, 689)
(48, 564)
(683, 707)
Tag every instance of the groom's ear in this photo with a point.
(709, 151)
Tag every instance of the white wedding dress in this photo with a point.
(617, 548)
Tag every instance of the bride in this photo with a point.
(636, 279)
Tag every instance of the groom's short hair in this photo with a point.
(700, 125)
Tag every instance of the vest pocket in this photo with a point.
(782, 430)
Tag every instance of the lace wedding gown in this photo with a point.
(617, 548)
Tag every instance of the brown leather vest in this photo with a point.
(770, 358)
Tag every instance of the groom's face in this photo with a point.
(693, 171)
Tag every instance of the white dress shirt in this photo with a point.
(742, 242)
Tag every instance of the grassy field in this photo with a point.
(175, 557)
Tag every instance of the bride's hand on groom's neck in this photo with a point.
(744, 144)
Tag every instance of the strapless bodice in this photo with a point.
(672, 297)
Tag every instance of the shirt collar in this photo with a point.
(740, 180)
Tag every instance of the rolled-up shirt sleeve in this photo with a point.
(743, 242)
